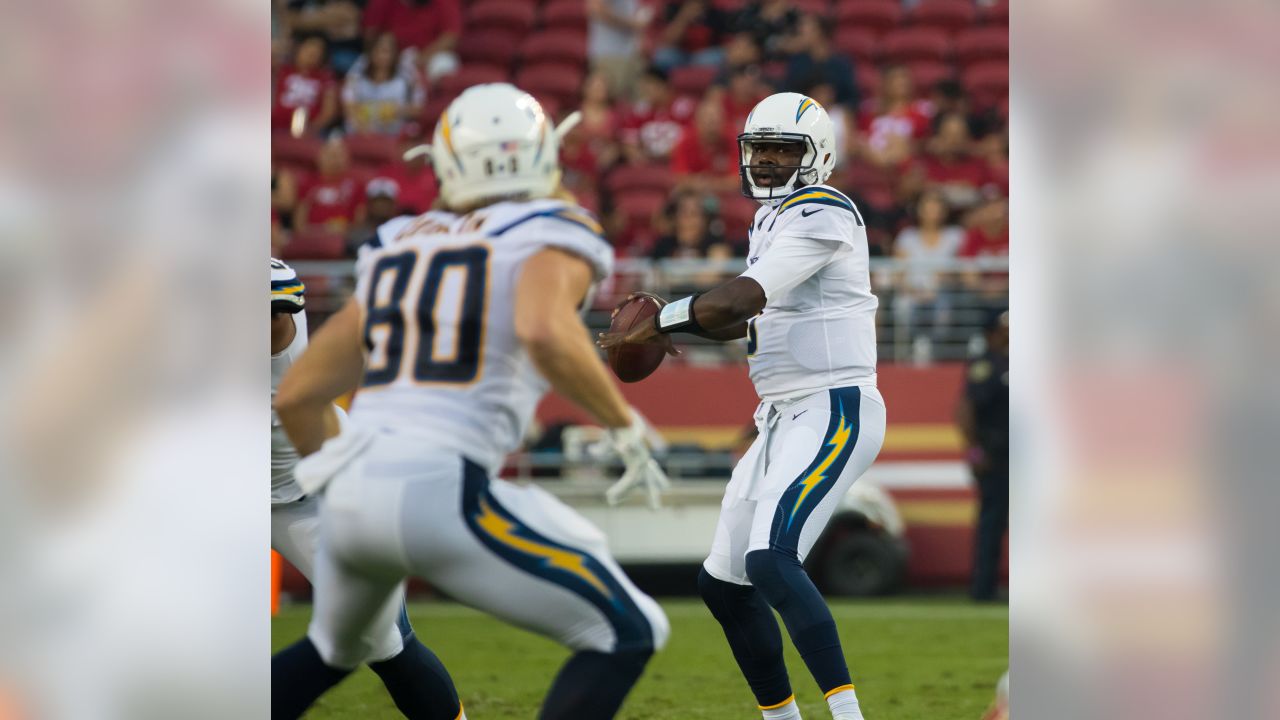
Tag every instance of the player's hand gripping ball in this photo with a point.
(635, 347)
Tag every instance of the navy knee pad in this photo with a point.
(775, 573)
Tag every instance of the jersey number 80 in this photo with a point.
(433, 327)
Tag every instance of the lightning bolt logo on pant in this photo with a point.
(839, 439)
(503, 530)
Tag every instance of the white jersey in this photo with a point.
(436, 297)
(817, 329)
(283, 455)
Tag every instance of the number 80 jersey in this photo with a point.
(437, 296)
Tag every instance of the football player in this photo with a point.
(805, 307)
(413, 675)
(460, 320)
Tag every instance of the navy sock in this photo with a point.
(419, 683)
(592, 685)
(298, 677)
(781, 579)
(753, 636)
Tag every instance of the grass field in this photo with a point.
(917, 659)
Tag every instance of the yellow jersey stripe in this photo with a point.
(833, 691)
(290, 290)
(581, 219)
(790, 699)
(814, 195)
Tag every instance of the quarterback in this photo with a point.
(805, 307)
(461, 319)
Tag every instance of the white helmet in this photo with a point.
(494, 141)
(788, 117)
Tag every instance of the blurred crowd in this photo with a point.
(918, 92)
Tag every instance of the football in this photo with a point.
(633, 363)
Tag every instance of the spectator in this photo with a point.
(892, 126)
(613, 41)
(925, 248)
(691, 235)
(306, 99)
(743, 89)
(329, 201)
(824, 93)
(599, 126)
(337, 20)
(706, 157)
(740, 51)
(694, 35)
(694, 235)
(382, 93)
(994, 151)
(988, 236)
(380, 205)
(949, 167)
(816, 58)
(772, 25)
(651, 126)
(416, 186)
(427, 30)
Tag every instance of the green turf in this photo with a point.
(918, 659)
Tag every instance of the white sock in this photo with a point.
(786, 710)
(844, 704)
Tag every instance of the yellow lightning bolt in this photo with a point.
(838, 441)
(500, 529)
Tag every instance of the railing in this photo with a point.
(929, 311)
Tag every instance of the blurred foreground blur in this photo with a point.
(133, 523)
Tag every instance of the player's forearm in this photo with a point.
(733, 332)
(729, 306)
(307, 425)
(565, 356)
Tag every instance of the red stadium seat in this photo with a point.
(858, 43)
(491, 14)
(874, 15)
(692, 79)
(290, 152)
(638, 178)
(431, 114)
(737, 213)
(373, 149)
(452, 85)
(637, 210)
(909, 44)
(997, 14)
(564, 46)
(490, 48)
(552, 83)
(316, 245)
(946, 15)
(926, 73)
(982, 43)
(566, 14)
(987, 82)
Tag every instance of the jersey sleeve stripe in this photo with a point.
(578, 218)
(819, 196)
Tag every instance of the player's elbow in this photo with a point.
(539, 335)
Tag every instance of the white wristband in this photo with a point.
(677, 316)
